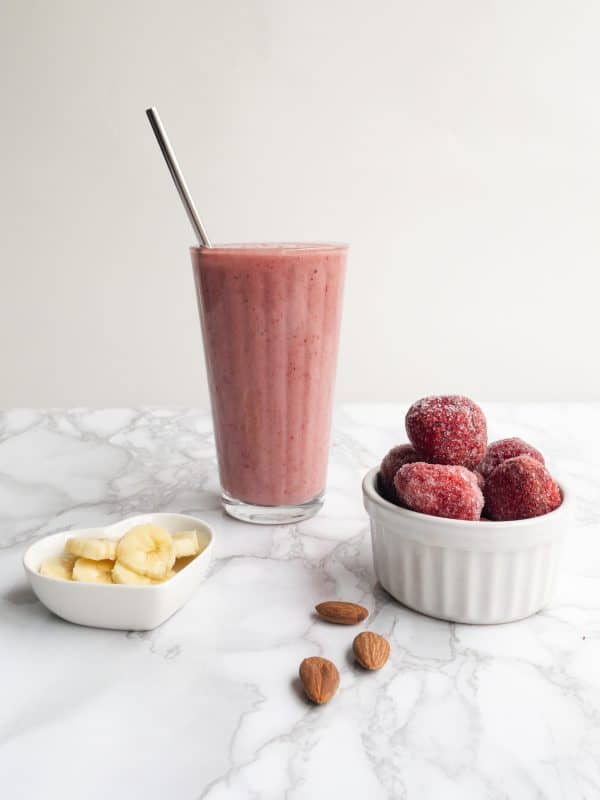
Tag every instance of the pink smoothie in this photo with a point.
(270, 319)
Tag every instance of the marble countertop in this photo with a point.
(207, 705)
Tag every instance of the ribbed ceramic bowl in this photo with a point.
(476, 572)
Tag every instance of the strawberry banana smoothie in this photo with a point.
(270, 319)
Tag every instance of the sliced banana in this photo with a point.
(181, 563)
(60, 567)
(147, 550)
(94, 549)
(186, 543)
(87, 570)
(121, 574)
(145, 555)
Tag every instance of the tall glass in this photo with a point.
(270, 316)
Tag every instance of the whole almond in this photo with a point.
(371, 650)
(341, 613)
(320, 679)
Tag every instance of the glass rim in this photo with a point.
(252, 248)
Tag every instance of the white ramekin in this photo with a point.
(476, 572)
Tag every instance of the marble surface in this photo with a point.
(208, 705)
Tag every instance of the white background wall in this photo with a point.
(455, 145)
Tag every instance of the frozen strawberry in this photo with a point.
(520, 488)
(396, 458)
(439, 489)
(449, 429)
(480, 479)
(503, 449)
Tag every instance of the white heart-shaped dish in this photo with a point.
(114, 605)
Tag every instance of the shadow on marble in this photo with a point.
(298, 690)
(351, 661)
(20, 596)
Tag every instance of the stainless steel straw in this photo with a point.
(176, 174)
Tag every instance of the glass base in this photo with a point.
(271, 515)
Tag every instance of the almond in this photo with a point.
(320, 679)
(341, 613)
(371, 650)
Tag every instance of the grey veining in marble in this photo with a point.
(208, 705)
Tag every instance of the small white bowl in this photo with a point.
(101, 605)
(475, 572)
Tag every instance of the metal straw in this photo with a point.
(176, 174)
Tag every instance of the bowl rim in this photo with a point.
(33, 574)
(369, 486)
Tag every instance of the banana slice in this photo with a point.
(121, 574)
(88, 571)
(60, 567)
(94, 549)
(181, 563)
(147, 550)
(186, 543)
